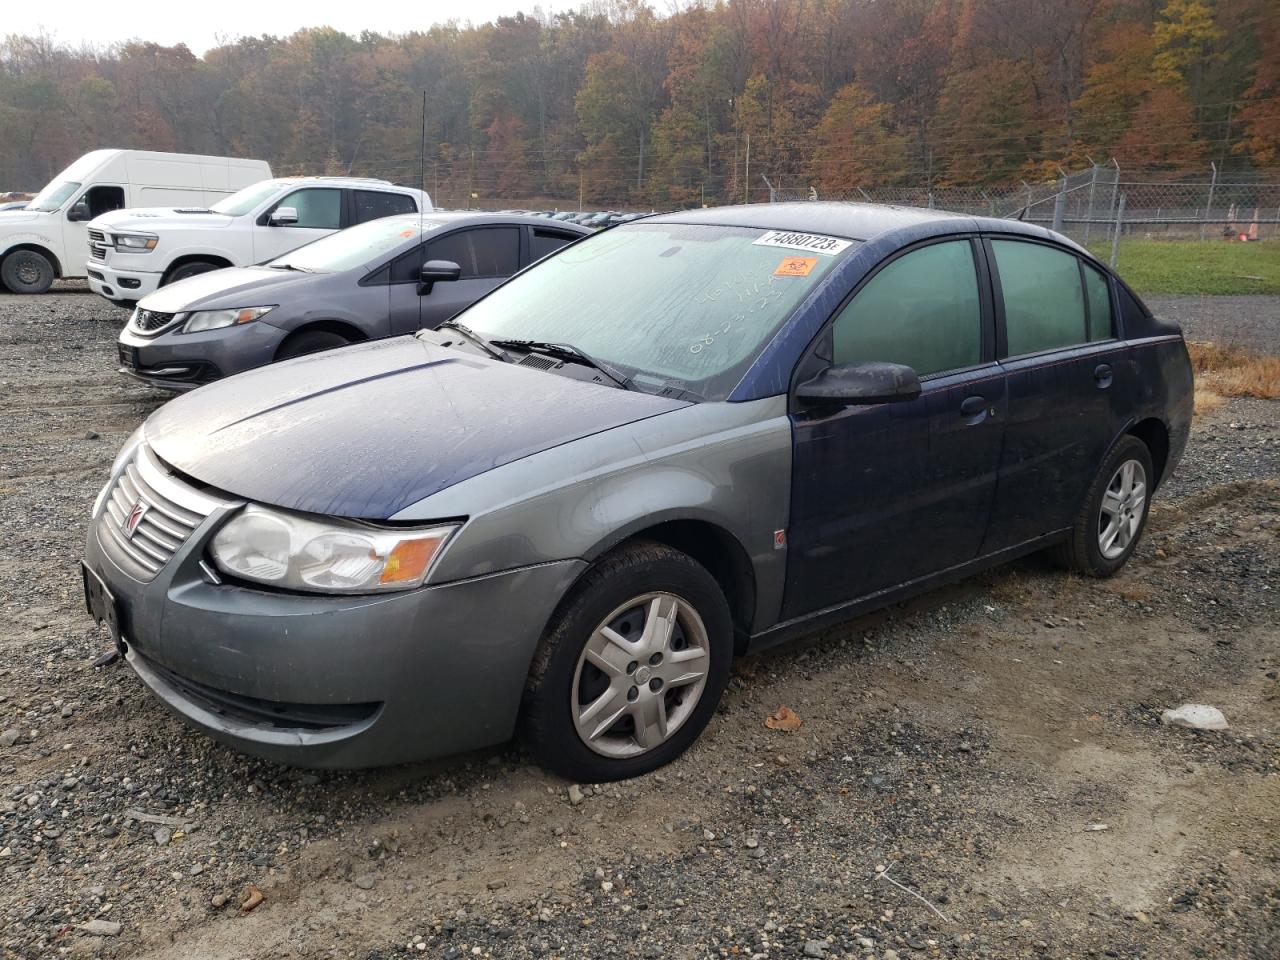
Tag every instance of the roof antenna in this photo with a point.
(422, 189)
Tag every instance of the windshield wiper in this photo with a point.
(289, 266)
(567, 351)
(475, 338)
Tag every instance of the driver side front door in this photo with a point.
(885, 494)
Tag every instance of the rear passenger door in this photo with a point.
(369, 205)
(1069, 384)
(486, 256)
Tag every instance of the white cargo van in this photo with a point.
(48, 238)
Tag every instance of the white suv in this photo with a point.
(134, 252)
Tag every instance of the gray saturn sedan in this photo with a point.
(363, 283)
(683, 439)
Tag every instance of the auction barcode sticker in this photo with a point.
(813, 242)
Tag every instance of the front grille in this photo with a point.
(151, 321)
(97, 245)
(267, 713)
(170, 512)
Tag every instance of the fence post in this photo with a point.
(1088, 216)
(1213, 182)
(1115, 240)
(1060, 205)
(1115, 185)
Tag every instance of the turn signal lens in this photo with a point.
(409, 561)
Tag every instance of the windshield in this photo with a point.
(354, 246)
(242, 201)
(53, 196)
(682, 305)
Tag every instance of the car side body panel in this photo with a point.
(726, 465)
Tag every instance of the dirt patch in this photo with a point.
(972, 742)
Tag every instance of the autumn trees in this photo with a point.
(627, 102)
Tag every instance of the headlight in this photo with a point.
(134, 242)
(296, 553)
(213, 319)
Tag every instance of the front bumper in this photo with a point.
(183, 361)
(117, 284)
(330, 681)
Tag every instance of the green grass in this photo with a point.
(1212, 267)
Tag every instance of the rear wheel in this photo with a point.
(632, 669)
(192, 269)
(309, 341)
(26, 271)
(1114, 514)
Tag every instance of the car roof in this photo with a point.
(460, 218)
(856, 221)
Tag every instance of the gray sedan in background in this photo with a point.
(363, 283)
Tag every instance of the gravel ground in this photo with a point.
(995, 747)
(1245, 321)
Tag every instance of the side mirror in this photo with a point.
(436, 271)
(850, 383)
(79, 212)
(283, 216)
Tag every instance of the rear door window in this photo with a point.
(544, 242)
(922, 310)
(1043, 297)
(375, 204)
(1098, 287)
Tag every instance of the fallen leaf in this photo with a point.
(784, 718)
(255, 897)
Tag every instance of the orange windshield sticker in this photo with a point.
(796, 266)
(407, 233)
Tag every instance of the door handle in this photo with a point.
(1102, 374)
(973, 407)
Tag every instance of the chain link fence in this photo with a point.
(1100, 204)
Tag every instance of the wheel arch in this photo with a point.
(36, 248)
(342, 328)
(1153, 432)
(711, 545)
(187, 258)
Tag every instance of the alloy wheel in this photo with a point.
(640, 675)
(1123, 504)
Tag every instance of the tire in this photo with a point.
(195, 268)
(636, 591)
(26, 271)
(309, 341)
(1101, 543)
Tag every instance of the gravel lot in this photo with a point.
(995, 746)
(1245, 321)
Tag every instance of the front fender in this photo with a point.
(723, 464)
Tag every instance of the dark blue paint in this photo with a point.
(372, 429)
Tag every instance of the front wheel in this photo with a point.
(1114, 515)
(309, 341)
(26, 271)
(632, 669)
(192, 269)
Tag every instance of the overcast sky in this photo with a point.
(203, 25)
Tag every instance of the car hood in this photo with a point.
(17, 216)
(228, 288)
(149, 219)
(366, 431)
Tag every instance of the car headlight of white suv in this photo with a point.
(297, 553)
(134, 242)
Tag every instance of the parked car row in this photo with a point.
(362, 283)
(47, 238)
(596, 220)
(565, 509)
